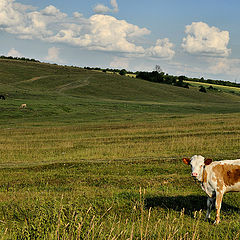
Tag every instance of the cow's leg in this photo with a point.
(210, 202)
(219, 197)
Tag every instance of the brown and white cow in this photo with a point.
(216, 178)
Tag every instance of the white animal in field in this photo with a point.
(24, 105)
(216, 178)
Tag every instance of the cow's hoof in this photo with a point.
(216, 222)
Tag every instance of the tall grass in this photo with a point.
(56, 220)
(82, 181)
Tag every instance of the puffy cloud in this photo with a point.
(101, 9)
(205, 40)
(28, 24)
(53, 55)
(9, 16)
(77, 15)
(114, 5)
(102, 32)
(23, 8)
(14, 53)
(162, 49)
(53, 11)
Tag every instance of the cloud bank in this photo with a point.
(99, 32)
(204, 40)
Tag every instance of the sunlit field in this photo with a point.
(98, 156)
(114, 180)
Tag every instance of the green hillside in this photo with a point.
(60, 93)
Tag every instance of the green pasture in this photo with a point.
(98, 156)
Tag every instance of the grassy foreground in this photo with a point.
(98, 156)
(114, 180)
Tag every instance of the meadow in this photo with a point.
(98, 156)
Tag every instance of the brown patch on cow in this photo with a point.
(204, 176)
(207, 161)
(230, 174)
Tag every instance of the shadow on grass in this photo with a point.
(190, 203)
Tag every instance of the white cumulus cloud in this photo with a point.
(9, 15)
(53, 11)
(101, 9)
(102, 32)
(53, 54)
(77, 15)
(14, 53)
(114, 5)
(162, 49)
(26, 22)
(205, 40)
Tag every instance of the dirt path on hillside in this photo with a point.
(73, 85)
(34, 79)
(60, 88)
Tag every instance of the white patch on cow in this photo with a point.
(232, 162)
(197, 163)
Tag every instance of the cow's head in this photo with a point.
(197, 163)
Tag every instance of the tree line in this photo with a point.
(19, 58)
(161, 77)
(158, 76)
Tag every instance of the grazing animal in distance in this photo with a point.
(216, 178)
(24, 105)
(2, 97)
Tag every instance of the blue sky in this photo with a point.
(187, 37)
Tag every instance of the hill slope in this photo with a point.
(65, 93)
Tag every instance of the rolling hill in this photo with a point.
(66, 94)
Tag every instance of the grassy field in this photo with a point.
(98, 156)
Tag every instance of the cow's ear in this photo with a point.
(207, 161)
(186, 161)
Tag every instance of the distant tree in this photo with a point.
(158, 69)
(123, 72)
(182, 78)
(202, 89)
(179, 83)
(212, 88)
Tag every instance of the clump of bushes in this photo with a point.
(161, 77)
(202, 89)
